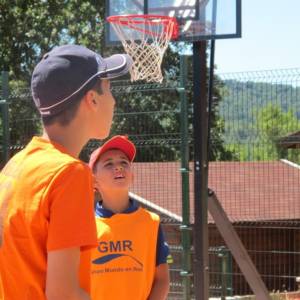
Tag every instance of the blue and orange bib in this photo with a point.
(124, 262)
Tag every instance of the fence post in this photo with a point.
(5, 116)
(185, 226)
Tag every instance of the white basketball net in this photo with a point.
(145, 40)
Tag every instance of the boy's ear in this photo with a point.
(89, 99)
(94, 182)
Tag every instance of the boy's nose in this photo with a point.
(119, 167)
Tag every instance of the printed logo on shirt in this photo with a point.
(113, 251)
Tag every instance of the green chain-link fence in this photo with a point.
(256, 174)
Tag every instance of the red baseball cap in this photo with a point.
(120, 142)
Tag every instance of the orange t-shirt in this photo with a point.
(46, 203)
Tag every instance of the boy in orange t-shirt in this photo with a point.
(130, 260)
(46, 192)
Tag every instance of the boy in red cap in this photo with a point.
(46, 192)
(130, 261)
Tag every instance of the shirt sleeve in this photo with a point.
(71, 218)
(162, 248)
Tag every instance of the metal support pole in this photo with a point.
(5, 117)
(200, 123)
(224, 263)
(210, 89)
(185, 226)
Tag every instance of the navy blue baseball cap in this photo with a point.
(66, 70)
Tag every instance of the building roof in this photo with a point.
(248, 191)
(291, 141)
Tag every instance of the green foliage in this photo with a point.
(256, 115)
(218, 150)
(154, 125)
(242, 100)
(271, 124)
(24, 119)
(29, 29)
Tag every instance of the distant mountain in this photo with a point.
(242, 100)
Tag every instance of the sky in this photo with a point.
(270, 38)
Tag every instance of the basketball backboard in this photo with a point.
(198, 19)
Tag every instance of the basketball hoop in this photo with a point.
(145, 38)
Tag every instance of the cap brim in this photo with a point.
(117, 65)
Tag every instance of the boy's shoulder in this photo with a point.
(44, 155)
(152, 216)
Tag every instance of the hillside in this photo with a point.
(242, 101)
(256, 115)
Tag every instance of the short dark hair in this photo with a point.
(64, 117)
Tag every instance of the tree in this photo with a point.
(28, 29)
(38, 26)
(273, 124)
